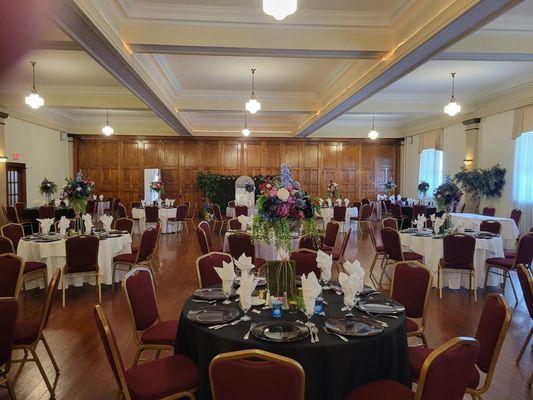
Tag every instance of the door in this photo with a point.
(16, 183)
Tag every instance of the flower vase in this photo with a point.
(281, 278)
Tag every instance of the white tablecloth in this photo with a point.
(509, 231)
(54, 255)
(432, 250)
(230, 212)
(266, 251)
(164, 215)
(327, 215)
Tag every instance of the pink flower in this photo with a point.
(289, 187)
(283, 210)
(273, 192)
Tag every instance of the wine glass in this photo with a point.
(245, 306)
(349, 303)
(309, 312)
(227, 285)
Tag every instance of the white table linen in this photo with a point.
(164, 215)
(230, 212)
(433, 249)
(266, 251)
(509, 231)
(327, 214)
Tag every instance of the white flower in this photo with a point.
(283, 194)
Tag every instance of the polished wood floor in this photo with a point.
(85, 373)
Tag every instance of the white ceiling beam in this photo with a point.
(483, 56)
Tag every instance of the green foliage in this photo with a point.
(481, 183)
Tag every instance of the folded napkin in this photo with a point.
(244, 263)
(226, 274)
(64, 224)
(338, 202)
(248, 284)
(310, 289)
(391, 198)
(57, 203)
(354, 269)
(101, 197)
(420, 221)
(87, 222)
(159, 203)
(351, 287)
(65, 200)
(46, 224)
(245, 221)
(143, 203)
(167, 202)
(320, 201)
(330, 203)
(106, 220)
(171, 202)
(347, 202)
(399, 197)
(324, 261)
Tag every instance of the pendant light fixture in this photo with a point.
(253, 105)
(33, 99)
(107, 130)
(373, 134)
(245, 130)
(452, 108)
(279, 9)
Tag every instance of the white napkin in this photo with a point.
(65, 200)
(347, 202)
(420, 221)
(143, 203)
(399, 197)
(227, 275)
(324, 261)
(101, 197)
(328, 200)
(351, 286)
(310, 289)
(106, 221)
(64, 224)
(167, 202)
(244, 263)
(94, 197)
(391, 198)
(354, 269)
(338, 202)
(171, 202)
(87, 221)
(320, 201)
(46, 223)
(245, 221)
(159, 203)
(57, 203)
(248, 284)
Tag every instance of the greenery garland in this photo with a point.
(482, 183)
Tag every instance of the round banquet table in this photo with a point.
(266, 251)
(327, 214)
(164, 214)
(332, 366)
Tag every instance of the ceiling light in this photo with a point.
(245, 130)
(279, 9)
(452, 108)
(253, 105)
(373, 134)
(33, 99)
(107, 130)
(3, 159)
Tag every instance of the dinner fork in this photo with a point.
(247, 335)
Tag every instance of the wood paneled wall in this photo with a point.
(116, 164)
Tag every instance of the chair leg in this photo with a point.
(10, 390)
(99, 288)
(486, 279)
(524, 346)
(43, 372)
(113, 271)
(473, 284)
(63, 286)
(424, 339)
(383, 267)
(137, 356)
(512, 287)
(49, 351)
(371, 276)
(530, 381)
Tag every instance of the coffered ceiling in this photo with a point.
(168, 67)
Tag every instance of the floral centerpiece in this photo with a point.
(47, 188)
(249, 187)
(77, 191)
(158, 187)
(334, 191)
(206, 213)
(390, 186)
(423, 187)
(447, 195)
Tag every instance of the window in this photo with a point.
(523, 177)
(431, 168)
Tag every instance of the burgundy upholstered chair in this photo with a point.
(379, 253)
(357, 204)
(135, 204)
(458, 254)
(191, 213)
(241, 243)
(21, 209)
(411, 285)
(516, 215)
(234, 224)
(444, 376)
(363, 217)
(388, 206)
(14, 217)
(123, 224)
(205, 268)
(337, 254)
(305, 262)
(339, 215)
(234, 376)
(204, 226)
(149, 332)
(202, 240)
(151, 215)
(47, 212)
(241, 210)
(390, 223)
(29, 333)
(165, 378)
(231, 204)
(330, 237)
(524, 255)
(219, 218)
(120, 211)
(181, 214)
(8, 316)
(90, 207)
(489, 211)
(365, 201)
(396, 212)
(491, 330)
(310, 242)
(526, 283)
(6, 246)
(82, 260)
(11, 275)
(490, 226)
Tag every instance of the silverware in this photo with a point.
(311, 334)
(382, 315)
(215, 327)
(377, 321)
(314, 329)
(334, 333)
(247, 335)
(204, 301)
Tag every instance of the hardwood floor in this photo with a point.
(85, 373)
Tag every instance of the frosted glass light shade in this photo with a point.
(280, 9)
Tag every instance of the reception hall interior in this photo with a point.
(266, 199)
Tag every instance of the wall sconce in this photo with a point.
(3, 159)
(468, 162)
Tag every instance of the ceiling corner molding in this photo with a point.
(77, 26)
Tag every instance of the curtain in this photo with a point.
(523, 120)
(431, 168)
(431, 140)
(523, 180)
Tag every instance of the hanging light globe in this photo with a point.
(253, 106)
(246, 132)
(280, 9)
(108, 130)
(373, 134)
(452, 108)
(34, 100)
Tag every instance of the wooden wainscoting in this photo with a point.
(116, 164)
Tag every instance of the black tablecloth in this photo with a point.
(33, 214)
(408, 212)
(332, 367)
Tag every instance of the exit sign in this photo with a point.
(16, 156)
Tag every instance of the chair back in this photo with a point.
(202, 240)
(121, 211)
(181, 212)
(217, 212)
(366, 212)
(392, 244)
(204, 225)
(446, 372)
(11, 271)
(489, 211)
(357, 204)
(135, 204)
(332, 231)
(526, 283)
(191, 211)
(388, 205)
(365, 201)
(411, 284)
(21, 209)
(231, 204)
(310, 242)
(418, 209)
(8, 318)
(459, 250)
(82, 254)
(123, 224)
(516, 214)
(151, 213)
(524, 252)
(339, 213)
(234, 224)
(390, 223)
(148, 244)
(344, 244)
(49, 300)
(12, 215)
(114, 204)
(305, 262)
(6, 245)
(90, 206)
(490, 226)
(373, 238)
(139, 290)
(234, 376)
(396, 211)
(205, 268)
(47, 212)
(241, 210)
(13, 232)
(240, 243)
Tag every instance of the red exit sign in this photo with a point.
(16, 156)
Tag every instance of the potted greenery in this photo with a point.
(447, 196)
(482, 183)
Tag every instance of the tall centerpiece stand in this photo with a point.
(47, 188)
(158, 187)
(77, 191)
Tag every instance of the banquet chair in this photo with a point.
(241, 210)
(191, 213)
(202, 240)
(29, 333)
(338, 254)
(90, 207)
(47, 212)
(379, 253)
(120, 211)
(363, 216)
(357, 204)
(330, 237)
(310, 242)
(13, 217)
(136, 221)
(526, 283)
(242, 243)
(8, 317)
(172, 377)
(365, 201)
(390, 222)
(181, 215)
(411, 285)
(149, 332)
(418, 209)
(490, 226)
(123, 224)
(234, 224)
(339, 215)
(393, 251)
(458, 254)
(231, 204)
(82, 261)
(524, 255)
(205, 268)
(151, 215)
(21, 208)
(305, 262)
(144, 256)
(11, 271)
(396, 212)
(219, 218)
(489, 211)
(491, 330)
(444, 375)
(234, 376)
(516, 215)
(204, 226)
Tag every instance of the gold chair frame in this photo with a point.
(190, 216)
(389, 218)
(377, 255)
(528, 337)
(211, 253)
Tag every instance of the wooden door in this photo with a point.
(16, 183)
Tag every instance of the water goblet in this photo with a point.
(227, 285)
(349, 303)
(245, 306)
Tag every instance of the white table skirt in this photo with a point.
(509, 231)
(432, 250)
(327, 215)
(266, 251)
(54, 255)
(230, 212)
(164, 215)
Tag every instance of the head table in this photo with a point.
(332, 366)
(164, 214)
